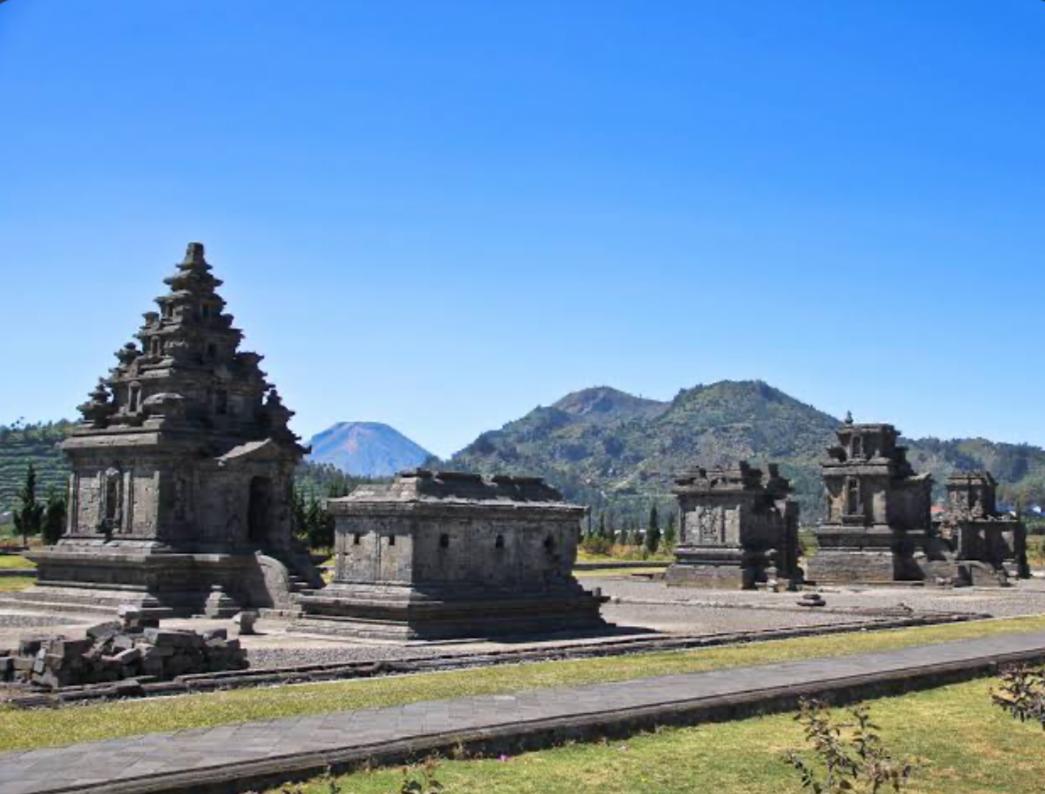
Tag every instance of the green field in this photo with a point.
(14, 561)
(70, 724)
(958, 740)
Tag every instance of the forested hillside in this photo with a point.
(20, 444)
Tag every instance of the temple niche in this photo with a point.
(877, 526)
(982, 539)
(181, 483)
(737, 531)
(442, 554)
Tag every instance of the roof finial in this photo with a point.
(194, 254)
(848, 417)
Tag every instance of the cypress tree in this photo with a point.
(29, 515)
(653, 531)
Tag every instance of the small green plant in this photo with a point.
(848, 756)
(420, 778)
(1022, 693)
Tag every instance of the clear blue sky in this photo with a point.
(442, 214)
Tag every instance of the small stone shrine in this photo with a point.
(180, 492)
(977, 532)
(442, 554)
(878, 510)
(736, 531)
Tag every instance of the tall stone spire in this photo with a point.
(182, 470)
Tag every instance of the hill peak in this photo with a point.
(366, 449)
(607, 403)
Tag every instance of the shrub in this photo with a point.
(1022, 693)
(848, 756)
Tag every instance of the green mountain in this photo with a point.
(618, 452)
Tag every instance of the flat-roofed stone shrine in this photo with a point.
(437, 554)
(736, 530)
(982, 539)
(180, 491)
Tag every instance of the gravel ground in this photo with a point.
(636, 604)
(1026, 598)
(12, 620)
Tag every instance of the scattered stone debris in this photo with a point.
(134, 647)
(811, 599)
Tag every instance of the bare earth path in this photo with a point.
(214, 758)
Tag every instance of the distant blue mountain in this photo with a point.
(366, 449)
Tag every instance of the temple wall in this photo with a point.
(455, 550)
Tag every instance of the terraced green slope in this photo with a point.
(38, 444)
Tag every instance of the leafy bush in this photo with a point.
(847, 756)
(1022, 693)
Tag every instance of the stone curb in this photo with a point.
(16, 572)
(232, 778)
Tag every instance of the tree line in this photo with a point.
(601, 534)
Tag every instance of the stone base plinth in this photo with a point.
(160, 582)
(411, 613)
(721, 577)
(860, 566)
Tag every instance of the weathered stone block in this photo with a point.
(245, 621)
(102, 632)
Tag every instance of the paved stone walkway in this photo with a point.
(193, 760)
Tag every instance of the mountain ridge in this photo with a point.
(626, 458)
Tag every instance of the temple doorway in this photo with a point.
(259, 511)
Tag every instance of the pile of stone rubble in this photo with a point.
(131, 647)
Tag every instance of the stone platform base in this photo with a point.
(719, 577)
(401, 613)
(161, 583)
(830, 566)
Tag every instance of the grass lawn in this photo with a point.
(11, 584)
(14, 561)
(38, 728)
(959, 741)
(618, 552)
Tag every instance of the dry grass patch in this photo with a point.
(12, 584)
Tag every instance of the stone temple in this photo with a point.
(180, 492)
(449, 554)
(877, 526)
(978, 533)
(736, 531)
